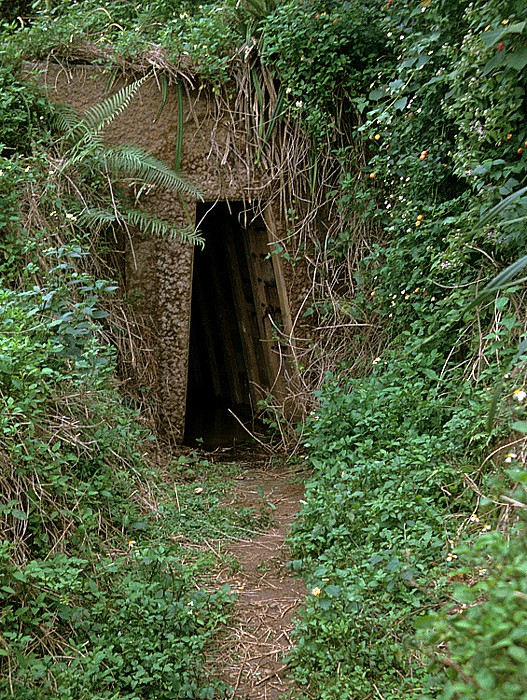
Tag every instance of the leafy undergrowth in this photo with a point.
(412, 538)
(104, 585)
(373, 538)
(104, 590)
(415, 587)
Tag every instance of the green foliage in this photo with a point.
(115, 613)
(373, 538)
(438, 155)
(477, 642)
(431, 96)
(322, 55)
(83, 154)
(135, 626)
(85, 612)
(95, 599)
(22, 109)
(54, 377)
(481, 637)
(202, 34)
(387, 511)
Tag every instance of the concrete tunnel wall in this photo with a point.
(160, 271)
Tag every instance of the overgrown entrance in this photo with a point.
(233, 359)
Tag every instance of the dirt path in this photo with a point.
(268, 594)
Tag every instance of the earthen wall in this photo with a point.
(159, 272)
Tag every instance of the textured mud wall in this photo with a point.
(160, 272)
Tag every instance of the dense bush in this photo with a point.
(373, 536)
(85, 614)
(397, 485)
(127, 627)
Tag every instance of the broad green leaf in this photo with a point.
(517, 59)
(495, 62)
(19, 514)
(400, 103)
(377, 94)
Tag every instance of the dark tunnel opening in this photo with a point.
(226, 356)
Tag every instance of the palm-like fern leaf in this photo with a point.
(65, 120)
(86, 151)
(143, 220)
(149, 223)
(99, 117)
(94, 120)
(134, 162)
(96, 217)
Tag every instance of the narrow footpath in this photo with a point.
(268, 593)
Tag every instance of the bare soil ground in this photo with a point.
(254, 647)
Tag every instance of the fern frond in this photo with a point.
(145, 221)
(97, 217)
(88, 150)
(100, 116)
(149, 223)
(65, 120)
(133, 162)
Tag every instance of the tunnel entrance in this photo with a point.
(233, 359)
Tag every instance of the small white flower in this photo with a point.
(519, 395)
(510, 457)
(299, 103)
(71, 217)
